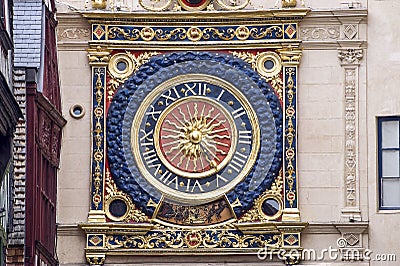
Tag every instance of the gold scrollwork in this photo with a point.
(98, 139)
(132, 65)
(290, 136)
(255, 62)
(255, 213)
(131, 214)
(194, 34)
(178, 239)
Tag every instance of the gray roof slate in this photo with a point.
(27, 32)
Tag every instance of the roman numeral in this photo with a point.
(245, 137)
(147, 140)
(150, 156)
(169, 97)
(157, 166)
(152, 113)
(220, 95)
(238, 112)
(201, 88)
(220, 177)
(166, 179)
(238, 161)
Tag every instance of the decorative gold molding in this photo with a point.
(290, 56)
(132, 214)
(98, 56)
(255, 213)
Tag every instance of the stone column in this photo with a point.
(350, 61)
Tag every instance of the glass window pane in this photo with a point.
(390, 134)
(390, 163)
(391, 192)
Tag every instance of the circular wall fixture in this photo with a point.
(121, 66)
(117, 208)
(269, 64)
(270, 207)
(77, 111)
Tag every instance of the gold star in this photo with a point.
(230, 103)
(243, 149)
(160, 172)
(208, 90)
(148, 124)
(181, 184)
(183, 90)
(207, 184)
(243, 124)
(147, 149)
(229, 171)
(160, 103)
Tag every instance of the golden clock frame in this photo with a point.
(286, 53)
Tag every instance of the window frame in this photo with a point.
(380, 121)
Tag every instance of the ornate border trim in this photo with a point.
(125, 33)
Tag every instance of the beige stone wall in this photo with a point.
(383, 99)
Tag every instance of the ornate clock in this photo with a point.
(194, 133)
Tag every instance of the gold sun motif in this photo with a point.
(196, 137)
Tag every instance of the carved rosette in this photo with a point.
(350, 59)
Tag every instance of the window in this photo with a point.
(389, 163)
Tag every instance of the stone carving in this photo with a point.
(350, 139)
(73, 33)
(350, 56)
(350, 59)
(320, 33)
(350, 31)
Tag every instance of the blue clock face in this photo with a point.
(192, 129)
(194, 138)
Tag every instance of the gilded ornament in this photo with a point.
(194, 34)
(255, 214)
(98, 56)
(132, 214)
(242, 33)
(99, 4)
(289, 3)
(147, 34)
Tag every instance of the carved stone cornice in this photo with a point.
(350, 56)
